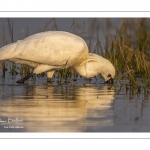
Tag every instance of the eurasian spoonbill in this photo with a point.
(53, 50)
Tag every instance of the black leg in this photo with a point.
(49, 80)
(25, 78)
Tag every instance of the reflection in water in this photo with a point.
(99, 111)
(54, 108)
(74, 107)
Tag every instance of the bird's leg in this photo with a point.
(25, 78)
(49, 76)
(49, 80)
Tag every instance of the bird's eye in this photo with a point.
(109, 76)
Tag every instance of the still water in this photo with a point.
(79, 106)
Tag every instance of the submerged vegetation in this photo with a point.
(125, 45)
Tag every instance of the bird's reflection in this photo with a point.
(53, 108)
(99, 108)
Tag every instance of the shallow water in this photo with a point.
(79, 106)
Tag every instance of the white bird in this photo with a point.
(53, 50)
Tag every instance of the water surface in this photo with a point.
(79, 106)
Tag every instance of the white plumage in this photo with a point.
(54, 50)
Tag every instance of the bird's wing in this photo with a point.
(52, 49)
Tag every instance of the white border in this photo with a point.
(68, 9)
(71, 14)
(74, 5)
(98, 135)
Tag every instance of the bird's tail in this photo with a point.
(8, 51)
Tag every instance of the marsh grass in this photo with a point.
(128, 50)
(65, 73)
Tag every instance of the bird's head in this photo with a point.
(94, 65)
(108, 73)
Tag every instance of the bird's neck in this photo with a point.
(88, 70)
